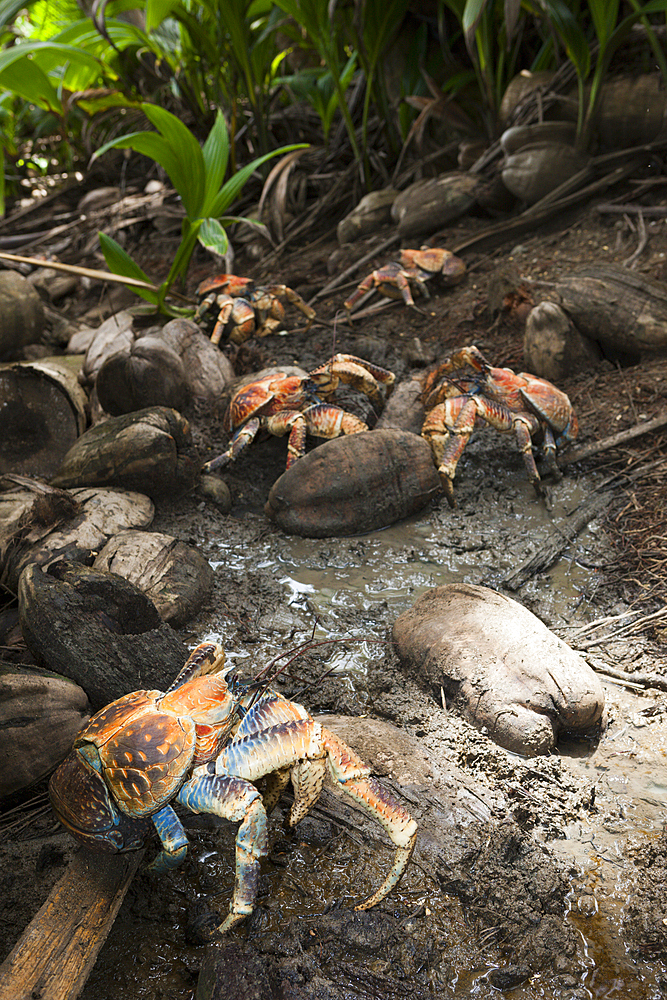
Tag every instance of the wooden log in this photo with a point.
(54, 955)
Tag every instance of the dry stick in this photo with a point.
(553, 547)
(634, 680)
(623, 437)
(650, 211)
(340, 278)
(58, 948)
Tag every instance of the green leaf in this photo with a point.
(157, 11)
(213, 237)
(216, 156)
(188, 172)
(231, 190)
(120, 262)
(25, 78)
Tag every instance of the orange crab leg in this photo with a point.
(241, 439)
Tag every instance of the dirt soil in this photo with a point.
(542, 877)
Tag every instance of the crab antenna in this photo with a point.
(296, 651)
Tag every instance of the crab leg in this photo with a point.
(241, 439)
(174, 841)
(309, 749)
(235, 799)
(321, 420)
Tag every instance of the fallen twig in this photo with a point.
(623, 437)
(553, 547)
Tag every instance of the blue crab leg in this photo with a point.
(309, 748)
(237, 800)
(174, 841)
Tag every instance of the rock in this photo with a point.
(553, 347)
(354, 484)
(97, 629)
(372, 212)
(149, 451)
(43, 412)
(500, 666)
(216, 490)
(40, 714)
(174, 575)
(41, 524)
(21, 315)
(428, 205)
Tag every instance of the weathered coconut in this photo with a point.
(43, 412)
(372, 212)
(41, 524)
(150, 373)
(175, 365)
(553, 347)
(40, 714)
(354, 484)
(98, 629)
(149, 451)
(21, 315)
(404, 409)
(622, 310)
(114, 335)
(536, 170)
(430, 204)
(174, 575)
(500, 666)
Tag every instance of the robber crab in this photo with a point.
(242, 310)
(465, 389)
(411, 271)
(203, 744)
(289, 404)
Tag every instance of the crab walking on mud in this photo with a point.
(287, 404)
(204, 745)
(465, 389)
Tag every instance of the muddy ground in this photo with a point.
(542, 877)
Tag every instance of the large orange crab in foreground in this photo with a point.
(204, 745)
(411, 271)
(465, 389)
(289, 404)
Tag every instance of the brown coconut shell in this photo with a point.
(355, 484)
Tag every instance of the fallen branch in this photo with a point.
(553, 547)
(57, 950)
(623, 437)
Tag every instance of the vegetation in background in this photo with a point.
(197, 174)
(361, 61)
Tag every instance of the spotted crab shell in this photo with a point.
(144, 753)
